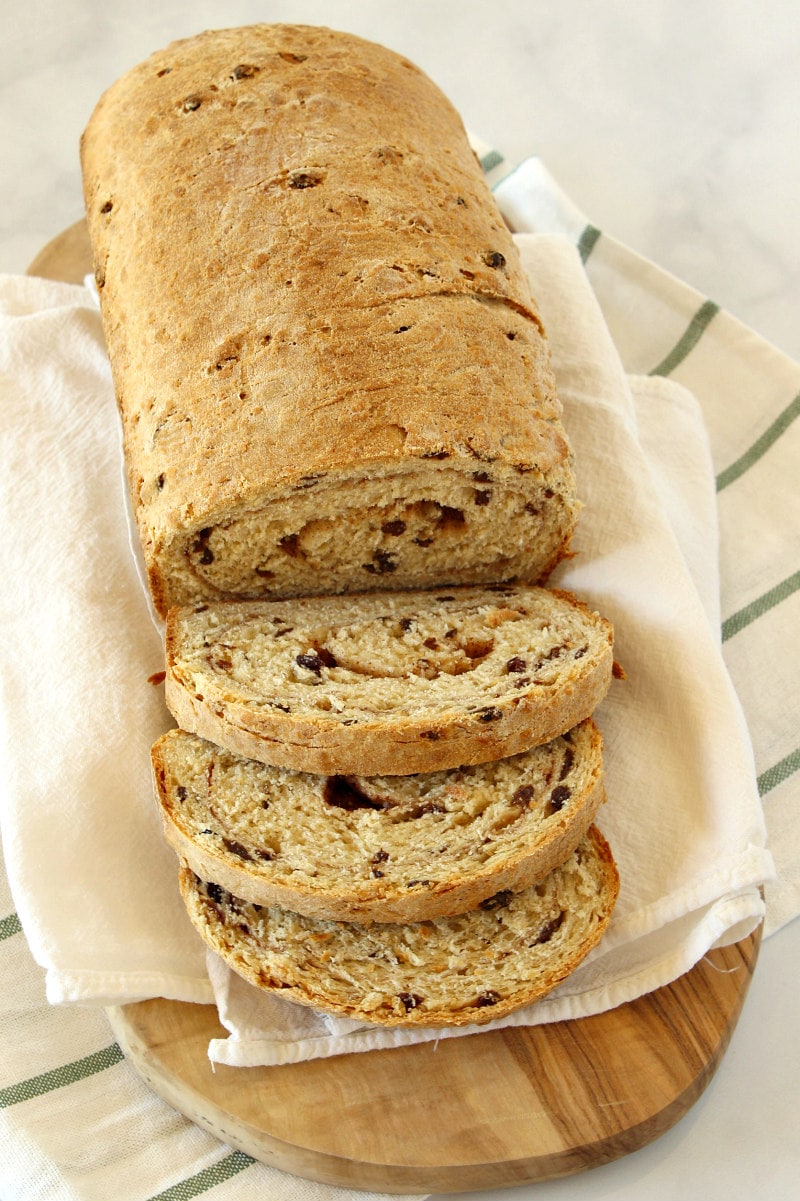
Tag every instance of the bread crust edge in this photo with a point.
(469, 1015)
(389, 903)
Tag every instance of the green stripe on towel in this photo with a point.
(587, 241)
(193, 1186)
(10, 925)
(694, 332)
(762, 604)
(760, 447)
(68, 1073)
(490, 160)
(779, 772)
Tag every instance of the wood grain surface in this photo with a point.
(480, 1111)
(504, 1107)
(67, 258)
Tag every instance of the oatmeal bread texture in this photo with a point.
(450, 971)
(387, 683)
(329, 368)
(377, 848)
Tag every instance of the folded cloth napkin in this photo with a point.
(94, 883)
(749, 395)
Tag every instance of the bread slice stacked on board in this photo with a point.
(351, 482)
(383, 803)
(462, 970)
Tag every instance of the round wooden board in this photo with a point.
(506, 1107)
(67, 258)
(481, 1111)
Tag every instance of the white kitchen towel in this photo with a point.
(92, 880)
(76, 804)
(683, 816)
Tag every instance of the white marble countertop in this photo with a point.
(673, 125)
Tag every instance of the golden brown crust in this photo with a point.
(392, 851)
(305, 283)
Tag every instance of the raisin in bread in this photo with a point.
(451, 971)
(387, 683)
(329, 367)
(377, 848)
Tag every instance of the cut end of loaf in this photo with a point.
(401, 525)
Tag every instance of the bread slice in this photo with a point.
(330, 370)
(387, 684)
(379, 848)
(450, 971)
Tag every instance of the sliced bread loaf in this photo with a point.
(378, 848)
(450, 971)
(387, 683)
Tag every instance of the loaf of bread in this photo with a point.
(387, 683)
(329, 368)
(452, 971)
(377, 848)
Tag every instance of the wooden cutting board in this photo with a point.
(481, 1111)
(506, 1107)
